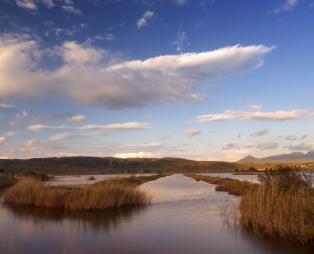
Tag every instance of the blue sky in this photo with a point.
(205, 80)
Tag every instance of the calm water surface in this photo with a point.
(77, 180)
(186, 217)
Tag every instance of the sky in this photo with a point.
(203, 80)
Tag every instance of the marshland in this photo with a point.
(191, 213)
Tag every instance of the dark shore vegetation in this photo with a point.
(232, 186)
(281, 206)
(108, 194)
(6, 181)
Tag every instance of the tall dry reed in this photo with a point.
(113, 193)
(282, 206)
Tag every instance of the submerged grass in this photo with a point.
(112, 193)
(232, 186)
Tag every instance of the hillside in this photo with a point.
(98, 165)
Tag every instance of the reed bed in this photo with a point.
(113, 193)
(232, 186)
(282, 206)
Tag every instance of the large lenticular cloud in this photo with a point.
(84, 73)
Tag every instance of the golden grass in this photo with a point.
(287, 215)
(232, 186)
(113, 193)
(282, 206)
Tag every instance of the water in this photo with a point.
(185, 217)
(250, 178)
(78, 180)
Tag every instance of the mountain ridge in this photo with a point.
(291, 157)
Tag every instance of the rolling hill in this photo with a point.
(105, 165)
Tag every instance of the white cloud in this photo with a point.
(68, 6)
(48, 3)
(76, 118)
(28, 145)
(26, 4)
(179, 42)
(134, 155)
(144, 19)
(256, 114)
(88, 76)
(32, 4)
(260, 133)
(191, 133)
(2, 139)
(59, 137)
(109, 37)
(7, 106)
(114, 126)
(287, 5)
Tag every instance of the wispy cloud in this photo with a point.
(256, 114)
(7, 106)
(287, 5)
(179, 42)
(191, 133)
(68, 6)
(268, 145)
(144, 19)
(2, 139)
(295, 137)
(180, 2)
(301, 147)
(86, 76)
(260, 133)
(113, 126)
(33, 4)
(76, 118)
(26, 4)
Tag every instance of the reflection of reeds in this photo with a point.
(95, 220)
(113, 193)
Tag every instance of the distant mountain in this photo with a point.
(296, 156)
(249, 158)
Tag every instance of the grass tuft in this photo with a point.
(232, 186)
(112, 193)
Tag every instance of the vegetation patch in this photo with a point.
(282, 206)
(232, 186)
(6, 181)
(112, 193)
